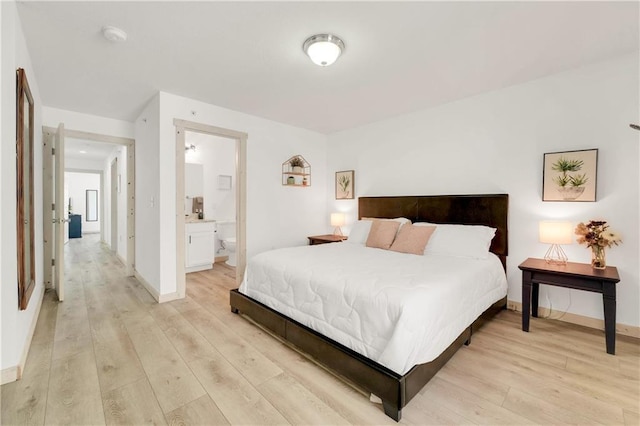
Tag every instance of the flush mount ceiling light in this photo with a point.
(323, 49)
(114, 34)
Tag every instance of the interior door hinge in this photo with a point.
(53, 206)
(53, 262)
(53, 151)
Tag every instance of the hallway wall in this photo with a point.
(17, 326)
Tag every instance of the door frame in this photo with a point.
(115, 140)
(240, 139)
(113, 205)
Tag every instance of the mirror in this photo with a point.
(24, 190)
(92, 205)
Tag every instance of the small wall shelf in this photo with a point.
(296, 176)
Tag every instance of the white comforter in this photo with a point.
(396, 309)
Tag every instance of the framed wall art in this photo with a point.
(24, 189)
(570, 175)
(345, 185)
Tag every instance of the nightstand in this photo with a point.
(324, 239)
(579, 276)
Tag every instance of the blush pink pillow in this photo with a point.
(412, 239)
(382, 233)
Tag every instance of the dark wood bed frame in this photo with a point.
(395, 390)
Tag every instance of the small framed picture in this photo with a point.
(570, 175)
(345, 186)
(224, 182)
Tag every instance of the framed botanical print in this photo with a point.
(570, 175)
(345, 185)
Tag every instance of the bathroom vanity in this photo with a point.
(199, 245)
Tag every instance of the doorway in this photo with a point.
(240, 140)
(53, 184)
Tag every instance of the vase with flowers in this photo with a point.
(597, 236)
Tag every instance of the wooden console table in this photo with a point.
(579, 276)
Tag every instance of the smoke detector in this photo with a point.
(114, 34)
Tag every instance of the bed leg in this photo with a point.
(234, 310)
(392, 411)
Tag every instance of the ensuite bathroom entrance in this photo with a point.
(210, 203)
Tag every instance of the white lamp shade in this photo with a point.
(553, 232)
(337, 219)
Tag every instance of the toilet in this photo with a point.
(226, 231)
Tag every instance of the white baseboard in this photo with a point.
(160, 298)
(152, 291)
(121, 259)
(169, 297)
(623, 329)
(198, 268)
(14, 373)
(9, 375)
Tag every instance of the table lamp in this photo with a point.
(555, 233)
(337, 220)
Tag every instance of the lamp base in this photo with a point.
(338, 231)
(555, 255)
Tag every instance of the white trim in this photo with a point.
(152, 291)
(14, 373)
(9, 375)
(160, 298)
(169, 297)
(623, 329)
(205, 267)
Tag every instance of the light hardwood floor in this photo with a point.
(110, 354)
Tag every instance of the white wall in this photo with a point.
(16, 325)
(277, 216)
(120, 152)
(78, 184)
(82, 164)
(147, 128)
(218, 157)
(87, 123)
(494, 143)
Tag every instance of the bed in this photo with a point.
(394, 372)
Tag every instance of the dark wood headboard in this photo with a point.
(490, 210)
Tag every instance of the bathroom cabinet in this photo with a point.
(200, 246)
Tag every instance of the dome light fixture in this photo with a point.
(114, 34)
(323, 49)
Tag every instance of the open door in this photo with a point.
(59, 220)
(54, 219)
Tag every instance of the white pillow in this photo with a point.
(460, 240)
(359, 232)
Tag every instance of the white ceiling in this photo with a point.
(247, 56)
(88, 150)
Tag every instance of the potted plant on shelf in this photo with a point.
(297, 165)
